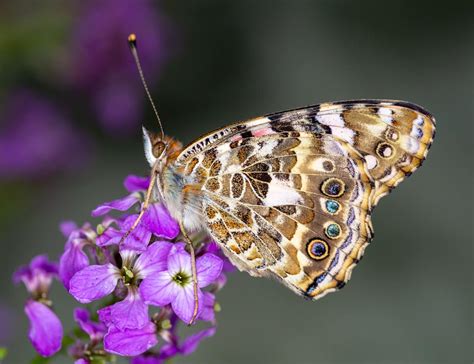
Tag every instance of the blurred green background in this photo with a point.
(409, 301)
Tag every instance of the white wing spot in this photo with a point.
(371, 161)
(385, 114)
(330, 119)
(281, 194)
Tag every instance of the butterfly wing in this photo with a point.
(290, 194)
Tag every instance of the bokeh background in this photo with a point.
(71, 107)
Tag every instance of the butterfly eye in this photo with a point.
(158, 148)
(317, 249)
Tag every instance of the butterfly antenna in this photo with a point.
(132, 42)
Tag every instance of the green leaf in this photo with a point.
(3, 353)
(98, 360)
(40, 360)
(67, 341)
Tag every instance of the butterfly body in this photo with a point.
(289, 195)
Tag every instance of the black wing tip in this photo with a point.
(371, 102)
(375, 102)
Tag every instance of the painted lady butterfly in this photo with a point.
(289, 195)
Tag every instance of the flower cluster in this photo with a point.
(35, 133)
(104, 69)
(140, 287)
(89, 62)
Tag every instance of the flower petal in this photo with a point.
(67, 227)
(148, 359)
(46, 331)
(42, 264)
(139, 238)
(136, 183)
(93, 282)
(131, 313)
(208, 313)
(82, 361)
(121, 204)
(191, 343)
(110, 236)
(159, 289)
(130, 342)
(179, 262)
(105, 315)
(183, 304)
(154, 259)
(160, 222)
(95, 330)
(72, 261)
(208, 267)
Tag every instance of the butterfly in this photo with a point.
(290, 195)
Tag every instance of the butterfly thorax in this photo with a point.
(181, 197)
(174, 187)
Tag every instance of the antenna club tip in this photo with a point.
(132, 40)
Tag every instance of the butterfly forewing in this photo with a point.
(290, 194)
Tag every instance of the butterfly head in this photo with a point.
(159, 149)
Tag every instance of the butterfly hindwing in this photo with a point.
(294, 207)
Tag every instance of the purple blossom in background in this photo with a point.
(36, 139)
(46, 331)
(150, 267)
(102, 64)
(74, 257)
(37, 276)
(95, 330)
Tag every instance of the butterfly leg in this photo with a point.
(194, 271)
(146, 203)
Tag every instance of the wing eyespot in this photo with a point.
(317, 249)
(333, 187)
(385, 150)
(332, 230)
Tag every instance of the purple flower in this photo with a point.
(139, 272)
(97, 281)
(37, 276)
(228, 267)
(175, 286)
(190, 344)
(46, 331)
(74, 257)
(102, 64)
(132, 341)
(169, 350)
(134, 183)
(137, 240)
(95, 330)
(156, 219)
(36, 139)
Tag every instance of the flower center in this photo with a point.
(128, 275)
(181, 278)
